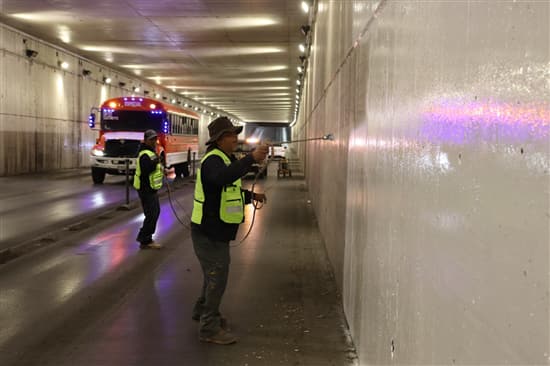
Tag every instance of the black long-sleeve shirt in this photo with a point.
(214, 176)
(148, 166)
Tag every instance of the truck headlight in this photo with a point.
(97, 152)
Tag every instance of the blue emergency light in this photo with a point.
(91, 120)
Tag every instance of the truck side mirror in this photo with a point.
(91, 120)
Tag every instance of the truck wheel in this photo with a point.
(185, 169)
(98, 175)
(181, 170)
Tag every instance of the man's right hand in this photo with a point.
(260, 153)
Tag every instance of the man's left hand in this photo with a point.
(260, 197)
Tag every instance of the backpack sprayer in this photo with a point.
(257, 205)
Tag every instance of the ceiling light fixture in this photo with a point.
(302, 48)
(107, 80)
(305, 7)
(63, 64)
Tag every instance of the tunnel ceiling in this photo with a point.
(240, 56)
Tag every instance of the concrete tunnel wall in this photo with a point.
(44, 109)
(433, 200)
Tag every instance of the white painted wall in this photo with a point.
(434, 199)
(44, 110)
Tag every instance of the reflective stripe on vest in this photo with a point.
(155, 178)
(232, 197)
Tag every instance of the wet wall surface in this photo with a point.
(94, 298)
(44, 111)
(434, 198)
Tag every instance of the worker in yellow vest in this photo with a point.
(147, 181)
(218, 209)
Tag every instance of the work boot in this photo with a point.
(224, 323)
(222, 337)
(154, 245)
(151, 245)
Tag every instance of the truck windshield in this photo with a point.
(117, 120)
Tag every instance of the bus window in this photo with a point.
(119, 120)
(185, 124)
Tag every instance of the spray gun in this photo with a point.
(270, 144)
(329, 137)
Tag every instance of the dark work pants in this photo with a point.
(214, 259)
(151, 210)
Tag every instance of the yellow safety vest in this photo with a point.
(155, 178)
(232, 197)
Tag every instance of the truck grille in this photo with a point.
(122, 148)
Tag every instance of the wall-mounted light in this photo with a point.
(305, 7)
(86, 72)
(63, 64)
(121, 84)
(31, 53)
(297, 90)
(305, 29)
(173, 101)
(136, 89)
(107, 80)
(302, 48)
(298, 82)
(157, 95)
(300, 69)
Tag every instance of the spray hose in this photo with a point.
(185, 225)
